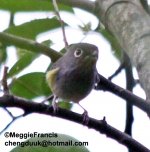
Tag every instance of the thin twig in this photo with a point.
(61, 22)
(4, 81)
(14, 119)
(10, 114)
(116, 72)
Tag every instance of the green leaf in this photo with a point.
(65, 104)
(33, 28)
(22, 63)
(30, 86)
(64, 141)
(47, 42)
(20, 52)
(30, 5)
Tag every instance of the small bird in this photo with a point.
(74, 75)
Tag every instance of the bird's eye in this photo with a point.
(78, 52)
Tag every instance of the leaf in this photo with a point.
(30, 86)
(47, 42)
(22, 63)
(52, 147)
(30, 5)
(65, 104)
(20, 52)
(33, 28)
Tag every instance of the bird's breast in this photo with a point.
(74, 84)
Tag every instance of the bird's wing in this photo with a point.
(51, 76)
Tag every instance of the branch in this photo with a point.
(101, 126)
(107, 85)
(4, 81)
(61, 22)
(130, 83)
(120, 68)
(9, 39)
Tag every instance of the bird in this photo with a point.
(74, 75)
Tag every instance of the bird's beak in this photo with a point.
(95, 54)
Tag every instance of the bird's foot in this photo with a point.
(55, 107)
(85, 118)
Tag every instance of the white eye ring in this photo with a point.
(78, 52)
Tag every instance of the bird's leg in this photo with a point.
(48, 98)
(54, 104)
(85, 116)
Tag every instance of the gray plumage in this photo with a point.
(77, 72)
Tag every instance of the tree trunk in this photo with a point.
(130, 24)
